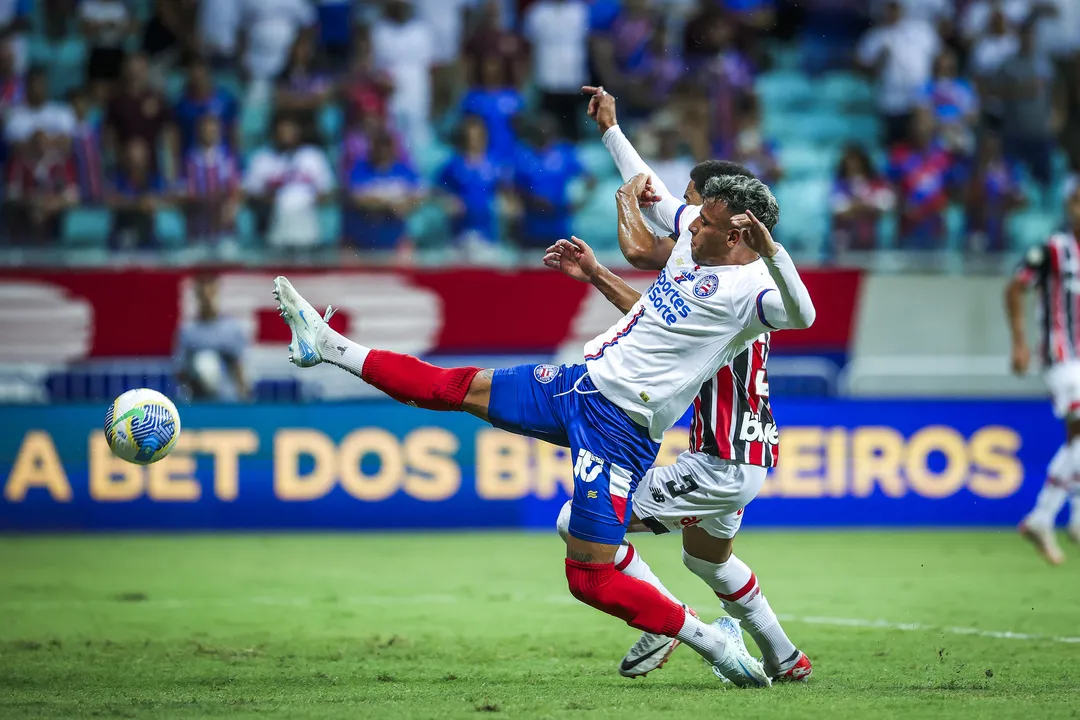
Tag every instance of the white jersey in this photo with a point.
(692, 321)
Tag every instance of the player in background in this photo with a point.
(637, 379)
(733, 442)
(1053, 271)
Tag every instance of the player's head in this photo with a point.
(286, 132)
(708, 169)
(1072, 204)
(206, 295)
(715, 241)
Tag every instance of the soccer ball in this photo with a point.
(142, 426)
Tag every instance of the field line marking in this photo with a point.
(446, 599)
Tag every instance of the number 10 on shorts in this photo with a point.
(587, 467)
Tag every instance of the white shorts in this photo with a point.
(1063, 381)
(698, 490)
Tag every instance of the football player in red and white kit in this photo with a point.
(1053, 270)
(733, 442)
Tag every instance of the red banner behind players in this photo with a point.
(135, 313)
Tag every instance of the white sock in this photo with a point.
(628, 561)
(707, 641)
(343, 352)
(736, 586)
(1054, 494)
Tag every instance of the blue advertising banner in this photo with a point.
(378, 465)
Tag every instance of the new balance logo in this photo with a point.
(342, 349)
(587, 467)
(753, 430)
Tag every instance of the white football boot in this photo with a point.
(737, 665)
(306, 324)
(649, 653)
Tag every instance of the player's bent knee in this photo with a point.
(700, 546)
(563, 523)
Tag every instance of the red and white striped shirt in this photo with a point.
(1054, 270)
(732, 418)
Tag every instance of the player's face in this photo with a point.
(691, 196)
(712, 234)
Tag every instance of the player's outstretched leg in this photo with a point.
(1038, 525)
(402, 377)
(593, 579)
(736, 586)
(651, 650)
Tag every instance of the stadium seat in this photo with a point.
(429, 162)
(843, 91)
(784, 89)
(596, 159)
(87, 225)
(331, 122)
(806, 160)
(170, 227)
(809, 127)
(330, 224)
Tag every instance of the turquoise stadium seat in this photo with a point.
(170, 227)
(431, 160)
(330, 224)
(804, 213)
(842, 90)
(785, 89)
(1031, 227)
(597, 160)
(802, 161)
(596, 221)
(331, 122)
(87, 225)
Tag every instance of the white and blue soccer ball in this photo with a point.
(142, 426)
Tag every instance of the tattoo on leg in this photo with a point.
(485, 374)
(580, 556)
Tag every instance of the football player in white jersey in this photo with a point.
(733, 442)
(710, 302)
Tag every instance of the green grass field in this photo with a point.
(449, 626)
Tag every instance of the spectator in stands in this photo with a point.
(137, 193)
(12, 86)
(728, 80)
(558, 31)
(860, 196)
(925, 176)
(705, 34)
(210, 187)
(1029, 117)
(201, 97)
(14, 20)
(670, 164)
(491, 39)
(170, 35)
(105, 24)
(1068, 99)
(268, 30)
(336, 31)
(302, 90)
(384, 191)
(992, 193)
(86, 148)
(975, 20)
(752, 148)
(992, 48)
(954, 102)
(620, 56)
(138, 111)
(404, 47)
(40, 189)
(446, 20)
(219, 30)
(285, 185)
(56, 17)
(470, 183)
(498, 105)
(900, 53)
(366, 90)
(542, 180)
(39, 113)
(210, 348)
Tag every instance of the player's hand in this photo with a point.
(573, 258)
(601, 107)
(1021, 358)
(648, 196)
(635, 186)
(754, 233)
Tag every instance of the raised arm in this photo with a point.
(574, 258)
(639, 244)
(790, 306)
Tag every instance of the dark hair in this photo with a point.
(715, 168)
(862, 156)
(466, 121)
(742, 193)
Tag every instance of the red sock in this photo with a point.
(638, 603)
(415, 382)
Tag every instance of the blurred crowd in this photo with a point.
(296, 124)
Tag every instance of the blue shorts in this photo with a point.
(611, 452)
